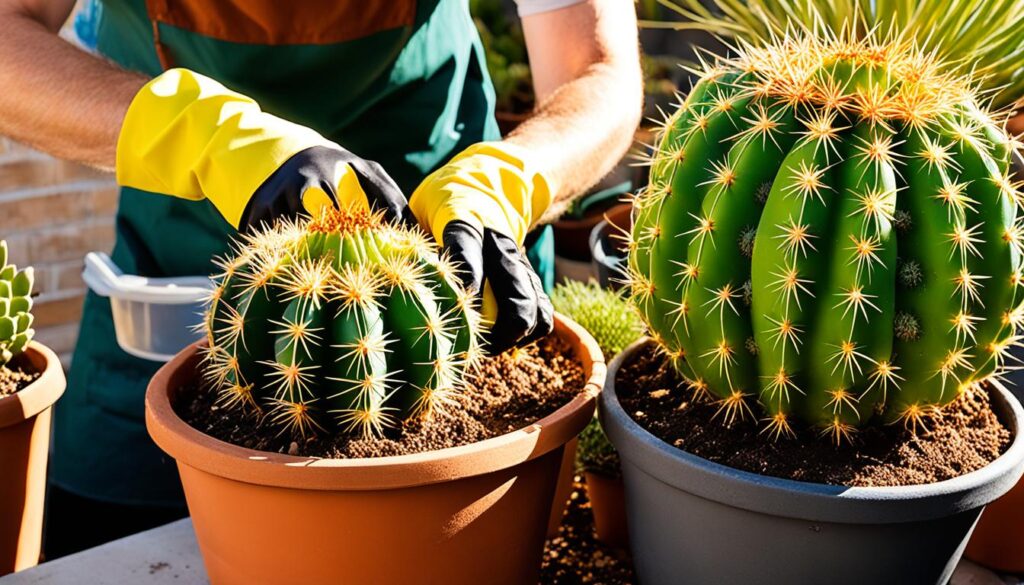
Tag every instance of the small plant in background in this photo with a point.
(979, 36)
(608, 316)
(15, 308)
(831, 230)
(344, 322)
(595, 454)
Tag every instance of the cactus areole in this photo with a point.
(830, 231)
(342, 323)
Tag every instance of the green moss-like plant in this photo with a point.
(15, 308)
(881, 275)
(608, 316)
(605, 313)
(343, 323)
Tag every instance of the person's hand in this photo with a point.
(479, 207)
(188, 136)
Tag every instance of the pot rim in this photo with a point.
(40, 394)
(194, 448)
(805, 500)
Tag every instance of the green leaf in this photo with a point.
(24, 322)
(5, 289)
(17, 305)
(5, 307)
(22, 284)
(7, 327)
(3, 253)
(7, 272)
(21, 341)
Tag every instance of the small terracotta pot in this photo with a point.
(998, 539)
(608, 504)
(563, 489)
(24, 447)
(471, 514)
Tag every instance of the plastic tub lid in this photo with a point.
(107, 280)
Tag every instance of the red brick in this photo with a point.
(42, 171)
(61, 338)
(70, 242)
(60, 311)
(66, 276)
(54, 208)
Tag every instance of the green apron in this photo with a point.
(401, 82)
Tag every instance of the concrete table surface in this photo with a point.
(161, 556)
(169, 555)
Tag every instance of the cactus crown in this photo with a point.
(344, 322)
(15, 308)
(871, 151)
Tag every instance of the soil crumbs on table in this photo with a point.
(575, 556)
(15, 376)
(964, 436)
(503, 394)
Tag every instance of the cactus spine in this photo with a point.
(830, 230)
(343, 322)
(15, 308)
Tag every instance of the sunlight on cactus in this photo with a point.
(15, 308)
(884, 273)
(344, 322)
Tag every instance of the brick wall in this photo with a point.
(51, 213)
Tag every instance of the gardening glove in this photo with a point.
(479, 207)
(188, 136)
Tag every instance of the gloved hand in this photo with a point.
(479, 207)
(188, 136)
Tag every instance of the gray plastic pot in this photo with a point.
(700, 523)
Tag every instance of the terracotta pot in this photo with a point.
(471, 514)
(563, 489)
(608, 504)
(1016, 124)
(998, 538)
(24, 447)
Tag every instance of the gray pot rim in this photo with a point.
(804, 500)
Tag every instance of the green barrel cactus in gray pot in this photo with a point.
(830, 239)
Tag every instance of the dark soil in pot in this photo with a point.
(16, 375)
(506, 393)
(964, 437)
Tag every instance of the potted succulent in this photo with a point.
(340, 424)
(982, 37)
(828, 256)
(31, 380)
(615, 325)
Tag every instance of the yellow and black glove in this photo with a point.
(479, 207)
(188, 136)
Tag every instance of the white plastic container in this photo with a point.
(154, 318)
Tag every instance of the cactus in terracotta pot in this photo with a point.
(15, 308)
(831, 232)
(345, 322)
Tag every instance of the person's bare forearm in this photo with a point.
(584, 125)
(55, 97)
